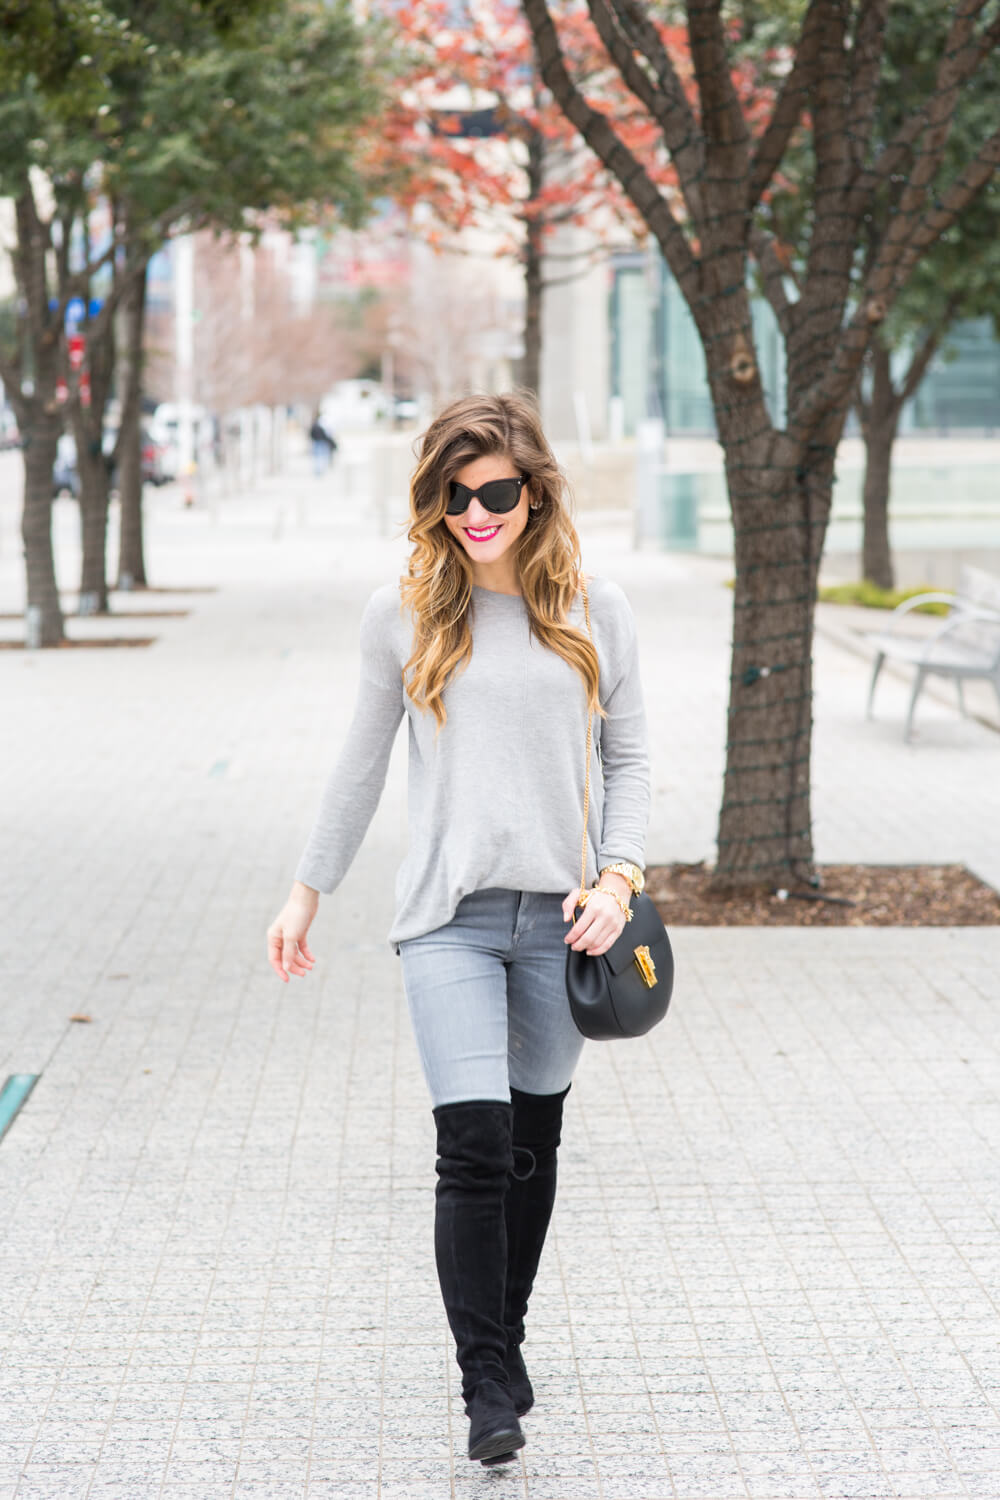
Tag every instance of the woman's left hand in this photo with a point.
(602, 920)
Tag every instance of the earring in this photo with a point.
(534, 505)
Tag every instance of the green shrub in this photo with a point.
(872, 597)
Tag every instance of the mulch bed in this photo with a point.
(123, 614)
(72, 645)
(880, 896)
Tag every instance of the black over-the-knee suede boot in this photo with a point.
(470, 1243)
(537, 1122)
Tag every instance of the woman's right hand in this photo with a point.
(287, 949)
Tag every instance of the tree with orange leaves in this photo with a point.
(484, 146)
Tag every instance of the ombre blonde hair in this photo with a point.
(438, 585)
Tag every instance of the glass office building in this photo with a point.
(658, 366)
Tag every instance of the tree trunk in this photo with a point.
(779, 512)
(94, 477)
(879, 429)
(780, 486)
(94, 468)
(131, 553)
(531, 365)
(44, 618)
(39, 419)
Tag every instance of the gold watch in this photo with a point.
(631, 873)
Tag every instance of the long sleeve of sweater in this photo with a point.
(355, 785)
(624, 760)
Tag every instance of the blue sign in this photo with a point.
(77, 310)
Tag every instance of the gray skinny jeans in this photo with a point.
(487, 998)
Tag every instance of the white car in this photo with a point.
(354, 403)
(164, 428)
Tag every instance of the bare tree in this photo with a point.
(255, 340)
(453, 329)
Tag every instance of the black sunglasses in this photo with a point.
(498, 496)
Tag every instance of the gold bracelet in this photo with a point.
(602, 890)
(627, 871)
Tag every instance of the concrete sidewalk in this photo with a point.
(775, 1256)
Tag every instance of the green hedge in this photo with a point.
(872, 597)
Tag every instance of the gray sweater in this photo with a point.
(495, 799)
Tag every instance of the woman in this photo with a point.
(485, 646)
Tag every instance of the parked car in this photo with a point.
(354, 403)
(65, 474)
(66, 469)
(165, 428)
(154, 468)
(405, 409)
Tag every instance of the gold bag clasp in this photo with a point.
(644, 963)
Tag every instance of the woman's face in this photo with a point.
(487, 538)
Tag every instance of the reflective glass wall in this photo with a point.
(658, 367)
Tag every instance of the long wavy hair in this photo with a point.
(438, 585)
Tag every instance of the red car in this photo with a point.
(153, 471)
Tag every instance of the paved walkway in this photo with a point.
(775, 1258)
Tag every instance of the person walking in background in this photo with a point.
(486, 648)
(324, 445)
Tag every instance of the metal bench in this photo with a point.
(965, 645)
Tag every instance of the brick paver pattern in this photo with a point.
(774, 1262)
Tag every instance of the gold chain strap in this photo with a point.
(590, 745)
(624, 906)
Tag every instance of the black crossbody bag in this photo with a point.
(627, 990)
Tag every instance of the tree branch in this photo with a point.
(788, 108)
(600, 136)
(64, 216)
(833, 232)
(840, 376)
(940, 111)
(666, 104)
(958, 63)
(722, 119)
(889, 273)
(933, 222)
(644, 38)
(863, 406)
(34, 239)
(869, 45)
(77, 283)
(595, 252)
(909, 235)
(831, 240)
(764, 251)
(572, 276)
(562, 216)
(927, 351)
